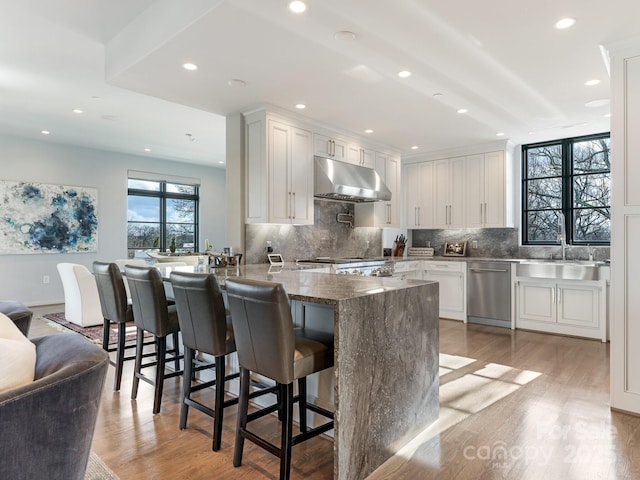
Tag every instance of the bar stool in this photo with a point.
(113, 300)
(268, 344)
(152, 314)
(205, 328)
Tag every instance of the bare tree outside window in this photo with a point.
(570, 176)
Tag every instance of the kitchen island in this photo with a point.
(386, 358)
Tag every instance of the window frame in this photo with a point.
(164, 195)
(567, 177)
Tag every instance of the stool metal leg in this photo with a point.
(287, 431)
(138, 365)
(186, 386)
(302, 403)
(218, 412)
(159, 382)
(120, 351)
(243, 408)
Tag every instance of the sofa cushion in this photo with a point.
(17, 356)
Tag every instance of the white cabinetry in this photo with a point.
(330, 147)
(449, 193)
(279, 171)
(411, 269)
(359, 155)
(564, 307)
(382, 214)
(452, 276)
(419, 194)
(486, 183)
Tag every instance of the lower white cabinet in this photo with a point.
(452, 276)
(564, 307)
(411, 269)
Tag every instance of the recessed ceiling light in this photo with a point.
(297, 6)
(368, 130)
(565, 23)
(500, 134)
(438, 95)
(236, 82)
(607, 115)
(221, 162)
(77, 110)
(190, 66)
(462, 110)
(45, 132)
(591, 83)
(601, 102)
(415, 147)
(301, 106)
(147, 149)
(345, 36)
(404, 73)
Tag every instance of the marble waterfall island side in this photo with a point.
(386, 358)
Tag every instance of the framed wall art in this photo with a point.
(46, 218)
(455, 249)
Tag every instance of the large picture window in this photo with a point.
(160, 214)
(567, 183)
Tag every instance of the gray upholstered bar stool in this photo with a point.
(268, 344)
(205, 328)
(115, 309)
(152, 314)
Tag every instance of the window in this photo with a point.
(567, 180)
(158, 212)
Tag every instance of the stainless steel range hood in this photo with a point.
(346, 182)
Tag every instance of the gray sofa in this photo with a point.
(46, 427)
(17, 312)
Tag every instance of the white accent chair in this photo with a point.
(81, 299)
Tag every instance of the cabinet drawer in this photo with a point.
(407, 266)
(444, 266)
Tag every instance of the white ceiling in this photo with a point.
(120, 62)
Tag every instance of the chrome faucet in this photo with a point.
(562, 235)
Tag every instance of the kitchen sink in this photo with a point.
(560, 269)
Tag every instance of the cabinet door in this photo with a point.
(279, 183)
(452, 293)
(457, 196)
(301, 172)
(412, 194)
(354, 154)
(392, 179)
(425, 205)
(579, 306)
(441, 193)
(324, 146)
(475, 191)
(494, 190)
(536, 301)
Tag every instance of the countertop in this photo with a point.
(309, 286)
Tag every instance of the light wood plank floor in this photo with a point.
(514, 405)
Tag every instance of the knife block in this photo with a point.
(397, 249)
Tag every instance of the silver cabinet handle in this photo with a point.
(553, 295)
(417, 215)
(289, 207)
(477, 270)
(388, 213)
(293, 202)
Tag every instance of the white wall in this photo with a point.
(21, 276)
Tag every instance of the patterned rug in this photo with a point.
(94, 333)
(97, 470)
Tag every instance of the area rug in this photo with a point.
(97, 470)
(95, 333)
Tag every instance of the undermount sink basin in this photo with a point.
(560, 269)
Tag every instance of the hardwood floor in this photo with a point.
(514, 405)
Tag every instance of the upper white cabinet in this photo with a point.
(385, 213)
(330, 147)
(486, 190)
(418, 181)
(279, 171)
(359, 155)
(449, 192)
(470, 191)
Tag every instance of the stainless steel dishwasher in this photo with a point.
(489, 293)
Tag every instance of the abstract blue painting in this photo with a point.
(44, 218)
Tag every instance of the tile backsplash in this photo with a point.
(499, 243)
(326, 237)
